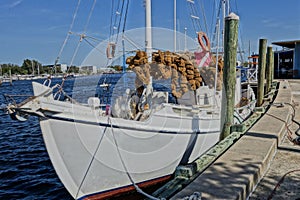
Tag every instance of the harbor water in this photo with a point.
(26, 171)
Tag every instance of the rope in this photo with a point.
(90, 164)
(293, 117)
(194, 196)
(295, 141)
(279, 182)
(139, 190)
(289, 131)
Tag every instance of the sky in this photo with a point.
(36, 29)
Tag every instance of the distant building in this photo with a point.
(59, 67)
(287, 60)
(63, 67)
(88, 69)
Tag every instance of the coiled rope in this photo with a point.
(295, 140)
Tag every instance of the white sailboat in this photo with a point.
(98, 154)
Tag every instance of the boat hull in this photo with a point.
(96, 157)
(95, 153)
(92, 158)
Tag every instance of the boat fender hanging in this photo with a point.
(201, 36)
(110, 50)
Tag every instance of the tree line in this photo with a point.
(33, 67)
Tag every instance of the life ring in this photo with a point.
(110, 50)
(203, 46)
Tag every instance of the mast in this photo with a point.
(223, 17)
(175, 25)
(148, 34)
(185, 45)
(38, 69)
(32, 67)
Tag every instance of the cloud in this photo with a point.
(52, 28)
(271, 23)
(14, 4)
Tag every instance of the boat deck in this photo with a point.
(236, 173)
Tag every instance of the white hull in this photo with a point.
(93, 152)
(86, 157)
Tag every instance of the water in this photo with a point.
(25, 168)
(26, 171)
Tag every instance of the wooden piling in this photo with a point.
(229, 75)
(261, 71)
(269, 69)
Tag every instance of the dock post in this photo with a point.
(261, 71)
(269, 68)
(229, 75)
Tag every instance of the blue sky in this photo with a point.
(36, 29)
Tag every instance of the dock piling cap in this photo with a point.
(232, 16)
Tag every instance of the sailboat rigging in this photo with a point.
(142, 135)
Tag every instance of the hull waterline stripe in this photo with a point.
(124, 189)
(123, 127)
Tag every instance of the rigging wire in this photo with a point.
(123, 34)
(118, 15)
(111, 19)
(91, 161)
(89, 17)
(95, 47)
(82, 36)
(204, 16)
(68, 34)
(217, 23)
(119, 24)
(122, 18)
(125, 16)
(115, 21)
(213, 16)
(194, 16)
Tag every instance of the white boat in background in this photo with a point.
(137, 141)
